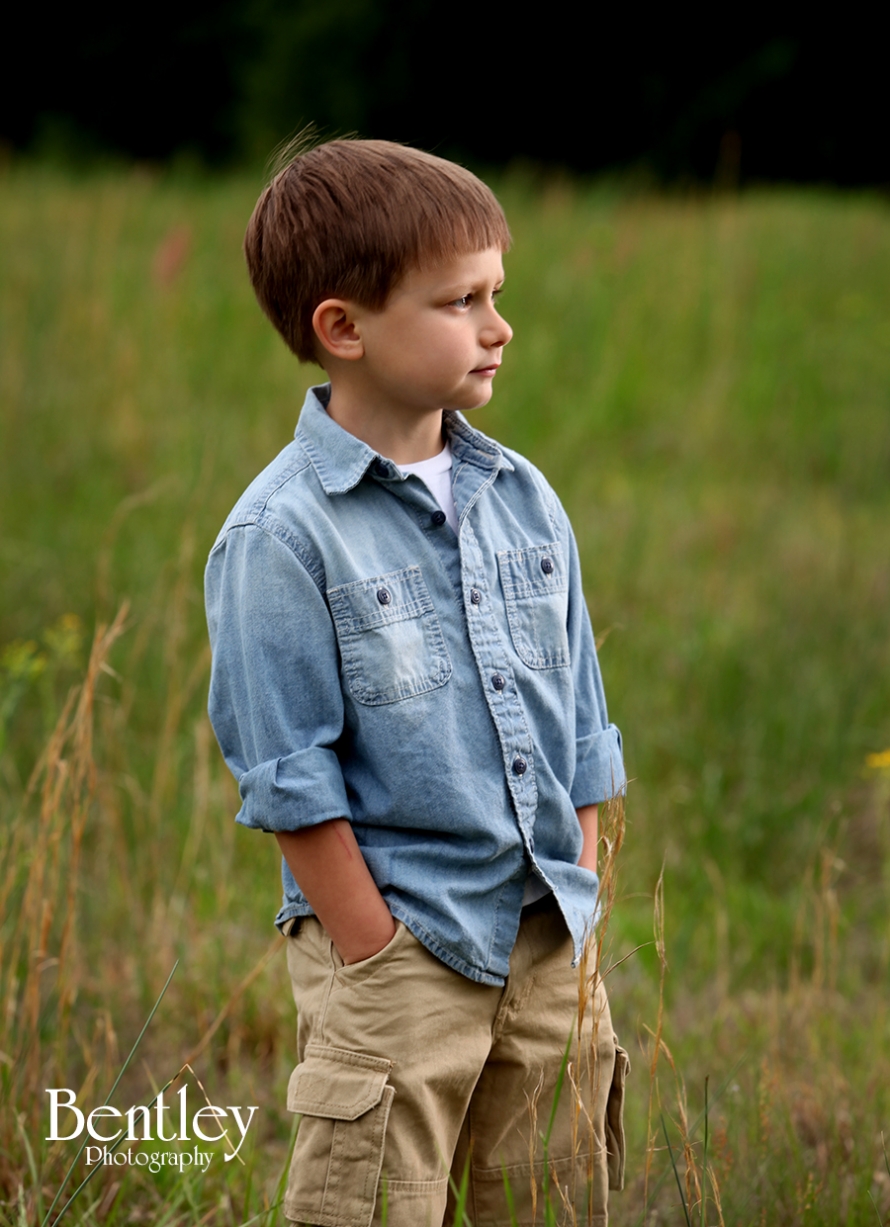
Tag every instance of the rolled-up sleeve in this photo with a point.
(599, 764)
(275, 699)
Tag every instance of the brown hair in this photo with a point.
(348, 219)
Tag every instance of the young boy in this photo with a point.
(406, 688)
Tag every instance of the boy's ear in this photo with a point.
(334, 324)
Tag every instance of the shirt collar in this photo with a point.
(341, 460)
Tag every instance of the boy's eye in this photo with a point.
(466, 300)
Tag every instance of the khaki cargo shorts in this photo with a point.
(410, 1073)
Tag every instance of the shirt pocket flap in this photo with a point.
(367, 604)
(337, 1084)
(538, 570)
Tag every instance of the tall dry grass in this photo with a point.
(81, 959)
(41, 958)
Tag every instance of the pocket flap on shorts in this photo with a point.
(336, 1083)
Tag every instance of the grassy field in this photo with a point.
(706, 382)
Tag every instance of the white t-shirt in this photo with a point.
(435, 473)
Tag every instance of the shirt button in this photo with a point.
(498, 681)
(520, 766)
(547, 565)
(438, 518)
(383, 596)
(475, 596)
(381, 468)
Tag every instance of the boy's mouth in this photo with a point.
(486, 370)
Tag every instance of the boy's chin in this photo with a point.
(477, 404)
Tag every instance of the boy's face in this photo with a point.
(437, 343)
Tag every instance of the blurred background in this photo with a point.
(749, 96)
(699, 287)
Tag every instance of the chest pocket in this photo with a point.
(536, 592)
(391, 644)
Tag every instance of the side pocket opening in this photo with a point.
(615, 1119)
(615, 1144)
(344, 1100)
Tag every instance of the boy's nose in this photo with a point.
(500, 332)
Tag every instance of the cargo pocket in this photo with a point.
(536, 594)
(344, 1100)
(615, 1148)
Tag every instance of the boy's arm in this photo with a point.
(599, 766)
(331, 872)
(277, 710)
(588, 820)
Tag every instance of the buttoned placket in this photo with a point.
(414, 493)
(489, 651)
(491, 655)
(502, 696)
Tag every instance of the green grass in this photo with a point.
(706, 382)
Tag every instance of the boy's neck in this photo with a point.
(404, 437)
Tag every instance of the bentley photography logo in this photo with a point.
(105, 1130)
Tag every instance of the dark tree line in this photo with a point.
(586, 87)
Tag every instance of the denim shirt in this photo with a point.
(439, 690)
